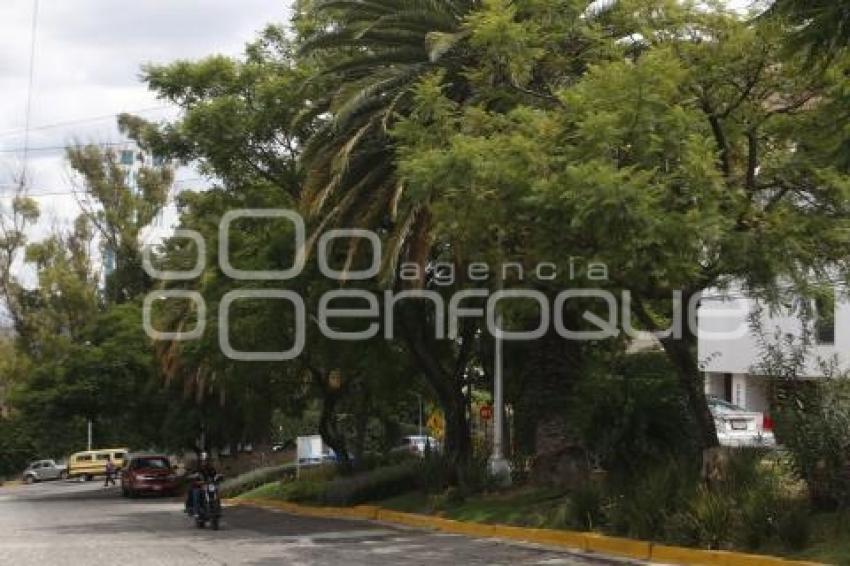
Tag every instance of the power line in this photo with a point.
(68, 192)
(28, 113)
(26, 149)
(74, 121)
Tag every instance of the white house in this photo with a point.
(730, 350)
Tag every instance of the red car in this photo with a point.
(148, 474)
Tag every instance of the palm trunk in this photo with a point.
(553, 367)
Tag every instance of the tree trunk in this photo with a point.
(331, 434)
(682, 354)
(361, 427)
(553, 367)
(447, 385)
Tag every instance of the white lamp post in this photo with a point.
(498, 466)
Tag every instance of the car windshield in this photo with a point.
(155, 463)
(724, 406)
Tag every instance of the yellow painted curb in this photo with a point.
(627, 547)
(12, 483)
(591, 542)
(681, 555)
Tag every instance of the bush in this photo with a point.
(374, 485)
(303, 491)
(751, 505)
(712, 517)
(635, 416)
(323, 472)
(813, 422)
(584, 508)
(255, 478)
(644, 506)
(793, 526)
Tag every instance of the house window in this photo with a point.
(825, 319)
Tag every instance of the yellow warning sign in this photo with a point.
(437, 425)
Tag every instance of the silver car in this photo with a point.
(737, 426)
(42, 470)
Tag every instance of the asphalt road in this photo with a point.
(86, 524)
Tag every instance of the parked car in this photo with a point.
(42, 470)
(281, 446)
(739, 427)
(91, 463)
(148, 473)
(418, 445)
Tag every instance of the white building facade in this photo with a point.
(731, 350)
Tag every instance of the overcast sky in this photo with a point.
(87, 59)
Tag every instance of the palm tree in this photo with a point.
(373, 54)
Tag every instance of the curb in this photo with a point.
(585, 542)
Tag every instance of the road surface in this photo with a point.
(86, 524)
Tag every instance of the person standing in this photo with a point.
(110, 473)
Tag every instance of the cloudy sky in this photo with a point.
(87, 59)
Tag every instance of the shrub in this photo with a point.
(635, 417)
(303, 491)
(451, 497)
(813, 421)
(324, 472)
(645, 504)
(374, 485)
(793, 526)
(712, 517)
(584, 508)
(255, 478)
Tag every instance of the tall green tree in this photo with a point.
(821, 27)
(681, 163)
(119, 210)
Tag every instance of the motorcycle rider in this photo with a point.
(203, 474)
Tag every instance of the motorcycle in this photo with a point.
(209, 504)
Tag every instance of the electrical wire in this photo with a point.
(28, 112)
(26, 149)
(75, 121)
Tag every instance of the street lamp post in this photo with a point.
(498, 465)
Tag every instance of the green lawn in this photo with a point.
(530, 507)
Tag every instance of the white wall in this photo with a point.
(738, 354)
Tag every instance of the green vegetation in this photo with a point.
(674, 147)
(256, 478)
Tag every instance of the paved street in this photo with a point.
(85, 524)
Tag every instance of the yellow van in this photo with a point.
(92, 463)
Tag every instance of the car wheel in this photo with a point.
(63, 475)
(29, 480)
